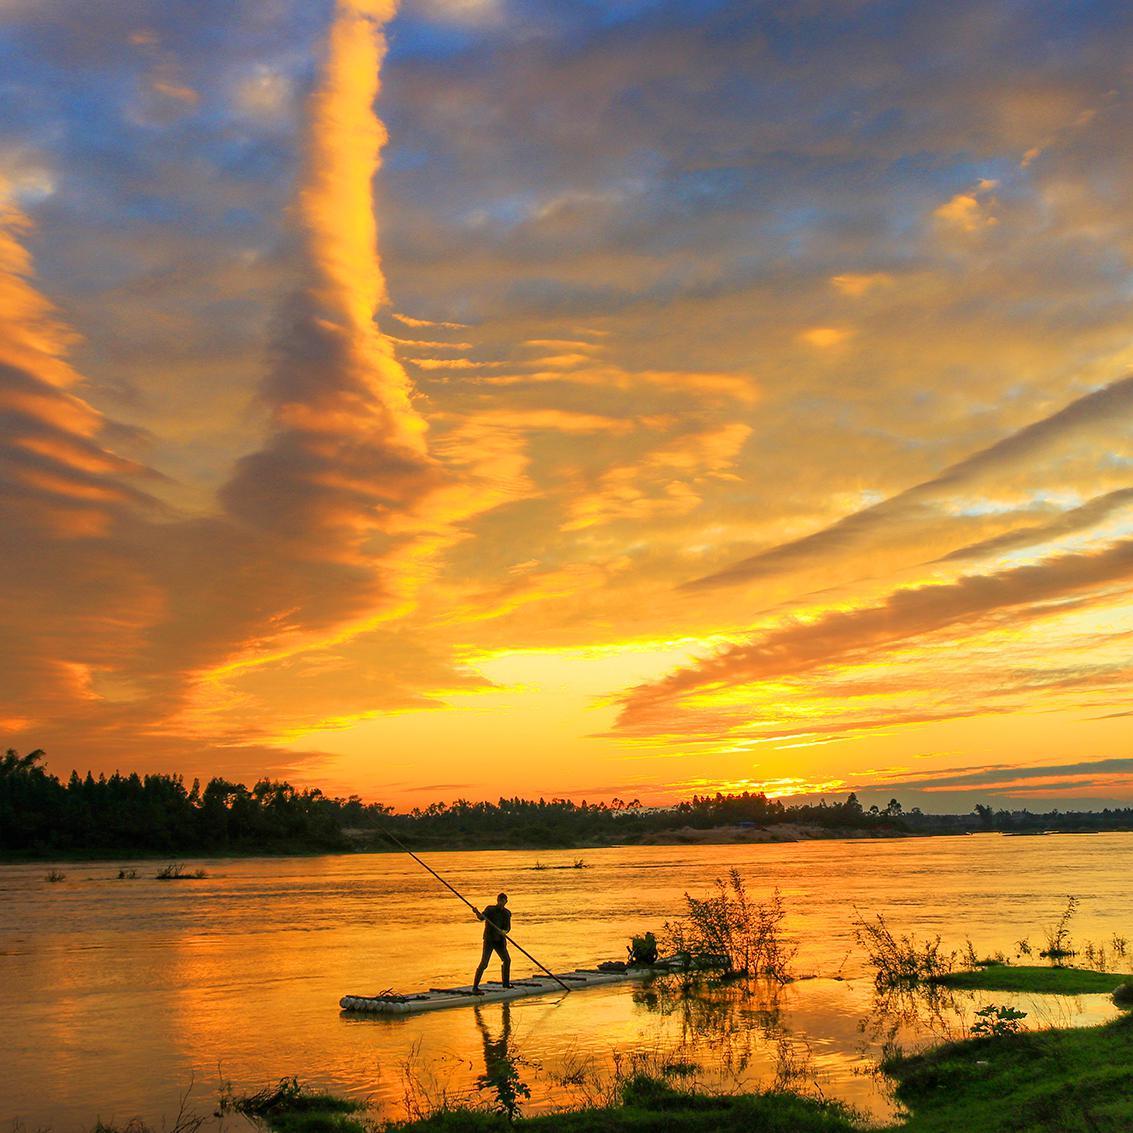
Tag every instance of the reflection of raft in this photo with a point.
(437, 998)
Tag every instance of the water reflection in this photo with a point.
(737, 1034)
(915, 1014)
(115, 996)
(502, 1063)
(718, 1022)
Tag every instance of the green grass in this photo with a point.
(652, 1106)
(1045, 980)
(1078, 1080)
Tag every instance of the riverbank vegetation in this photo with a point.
(1053, 1081)
(42, 816)
(900, 960)
(645, 1105)
(904, 961)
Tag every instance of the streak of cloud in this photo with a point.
(1075, 422)
(1070, 522)
(839, 636)
(349, 445)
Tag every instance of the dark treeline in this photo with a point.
(158, 814)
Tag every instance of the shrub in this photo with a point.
(289, 1107)
(996, 1020)
(1058, 943)
(730, 930)
(1095, 956)
(502, 1080)
(175, 871)
(900, 961)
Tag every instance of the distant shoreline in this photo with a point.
(370, 842)
(781, 834)
(160, 816)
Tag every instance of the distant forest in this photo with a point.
(41, 816)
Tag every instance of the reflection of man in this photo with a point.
(497, 1052)
(501, 1067)
(497, 924)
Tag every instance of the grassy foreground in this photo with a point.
(648, 1104)
(1064, 1081)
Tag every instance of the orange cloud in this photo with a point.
(669, 480)
(857, 635)
(825, 337)
(969, 212)
(410, 321)
(857, 284)
(57, 476)
(699, 383)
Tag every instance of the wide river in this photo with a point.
(118, 996)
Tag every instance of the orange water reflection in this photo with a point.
(117, 994)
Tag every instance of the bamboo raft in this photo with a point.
(437, 998)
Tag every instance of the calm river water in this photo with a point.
(116, 996)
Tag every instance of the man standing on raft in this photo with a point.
(497, 923)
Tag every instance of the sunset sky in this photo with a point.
(571, 397)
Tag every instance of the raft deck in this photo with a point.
(437, 998)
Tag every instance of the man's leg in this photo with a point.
(505, 964)
(484, 956)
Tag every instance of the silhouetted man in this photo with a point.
(497, 922)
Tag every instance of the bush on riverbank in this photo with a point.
(176, 871)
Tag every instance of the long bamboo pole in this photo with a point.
(479, 916)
